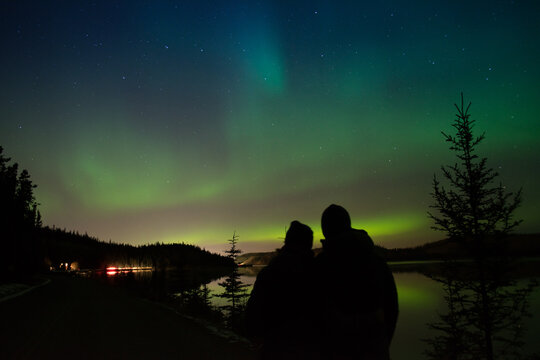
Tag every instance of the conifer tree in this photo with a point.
(472, 209)
(19, 220)
(234, 290)
(486, 306)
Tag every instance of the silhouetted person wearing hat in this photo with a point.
(279, 312)
(356, 292)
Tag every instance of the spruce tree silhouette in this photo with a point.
(234, 290)
(486, 305)
(19, 221)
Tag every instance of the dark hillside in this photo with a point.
(520, 245)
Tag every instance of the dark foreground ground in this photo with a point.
(75, 318)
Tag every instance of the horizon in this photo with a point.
(220, 248)
(172, 122)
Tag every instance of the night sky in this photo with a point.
(170, 121)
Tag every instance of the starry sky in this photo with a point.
(183, 121)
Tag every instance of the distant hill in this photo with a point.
(521, 245)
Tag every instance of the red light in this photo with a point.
(111, 268)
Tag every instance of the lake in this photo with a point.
(420, 301)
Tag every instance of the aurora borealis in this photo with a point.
(181, 121)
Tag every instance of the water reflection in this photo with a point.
(113, 270)
(246, 277)
(485, 313)
(421, 299)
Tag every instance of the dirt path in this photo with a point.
(82, 319)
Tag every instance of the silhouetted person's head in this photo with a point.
(299, 237)
(335, 220)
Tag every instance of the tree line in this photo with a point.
(61, 246)
(26, 246)
(20, 221)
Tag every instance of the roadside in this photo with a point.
(85, 319)
(12, 289)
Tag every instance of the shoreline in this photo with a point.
(84, 318)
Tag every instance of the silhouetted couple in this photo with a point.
(341, 304)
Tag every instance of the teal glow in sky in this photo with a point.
(172, 121)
